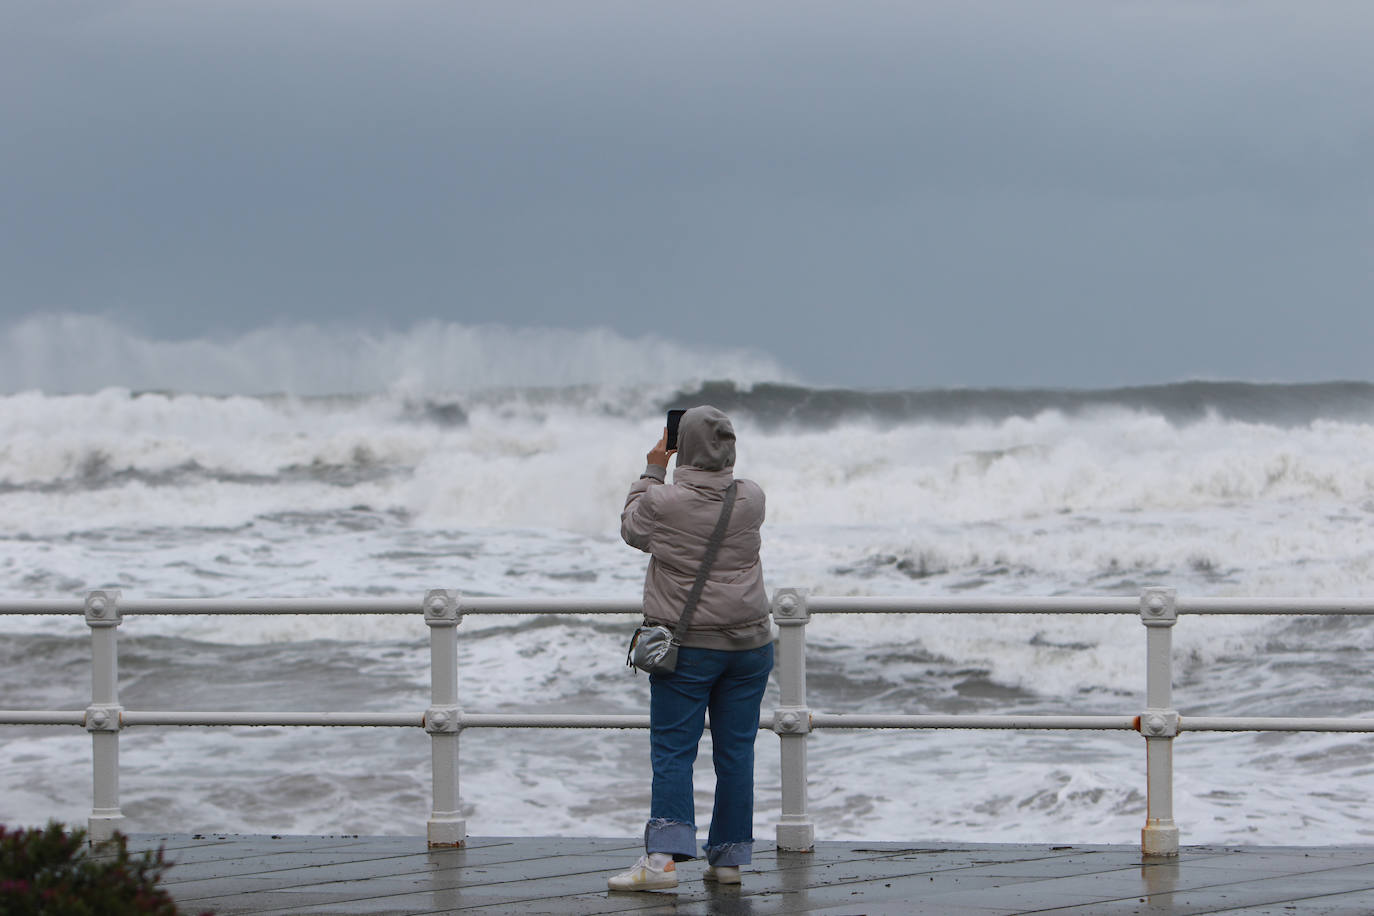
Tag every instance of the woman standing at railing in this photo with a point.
(726, 654)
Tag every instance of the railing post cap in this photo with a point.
(789, 606)
(443, 720)
(104, 717)
(1159, 723)
(102, 608)
(792, 720)
(443, 607)
(1158, 607)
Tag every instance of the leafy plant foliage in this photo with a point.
(51, 872)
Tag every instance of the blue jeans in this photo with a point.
(730, 685)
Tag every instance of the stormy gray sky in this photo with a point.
(877, 193)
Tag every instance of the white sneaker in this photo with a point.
(723, 874)
(644, 877)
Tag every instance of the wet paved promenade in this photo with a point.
(396, 875)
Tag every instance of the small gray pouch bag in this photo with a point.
(653, 647)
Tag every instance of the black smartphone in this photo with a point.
(674, 419)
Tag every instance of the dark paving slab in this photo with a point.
(1357, 904)
(281, 875)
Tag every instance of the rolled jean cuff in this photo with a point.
(672, 837)
(730, 853)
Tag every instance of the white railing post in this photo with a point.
(1159, 722)
(103, 716)
(792, 719)
(446, 826)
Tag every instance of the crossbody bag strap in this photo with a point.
(712, 547)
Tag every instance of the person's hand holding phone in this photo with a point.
(658, 455)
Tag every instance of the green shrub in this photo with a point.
(50, 872)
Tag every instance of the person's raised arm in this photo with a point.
(637, 518)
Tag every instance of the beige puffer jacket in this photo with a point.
(673, 523)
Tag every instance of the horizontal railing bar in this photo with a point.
(551, 605)
(818, 720)
(847, 720)
(250, 606)
(43, 606)
(42, 717)
(971, 605)
(1294, 606)
(1080, 605)
(465, 720)
(467, 605)
(173, 606)
(815, 604)
(132, 717)
(498, 720)
(164, 606)
(1271, 724)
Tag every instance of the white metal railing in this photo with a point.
(442, 610)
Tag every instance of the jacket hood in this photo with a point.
(706, 440)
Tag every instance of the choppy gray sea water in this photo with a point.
(519, 494)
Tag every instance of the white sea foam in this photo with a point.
(924, 475)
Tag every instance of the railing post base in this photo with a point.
(1159, 838)
(446, 830)
(103, 824)
(796, 837)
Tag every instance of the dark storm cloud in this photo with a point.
(881, 194)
